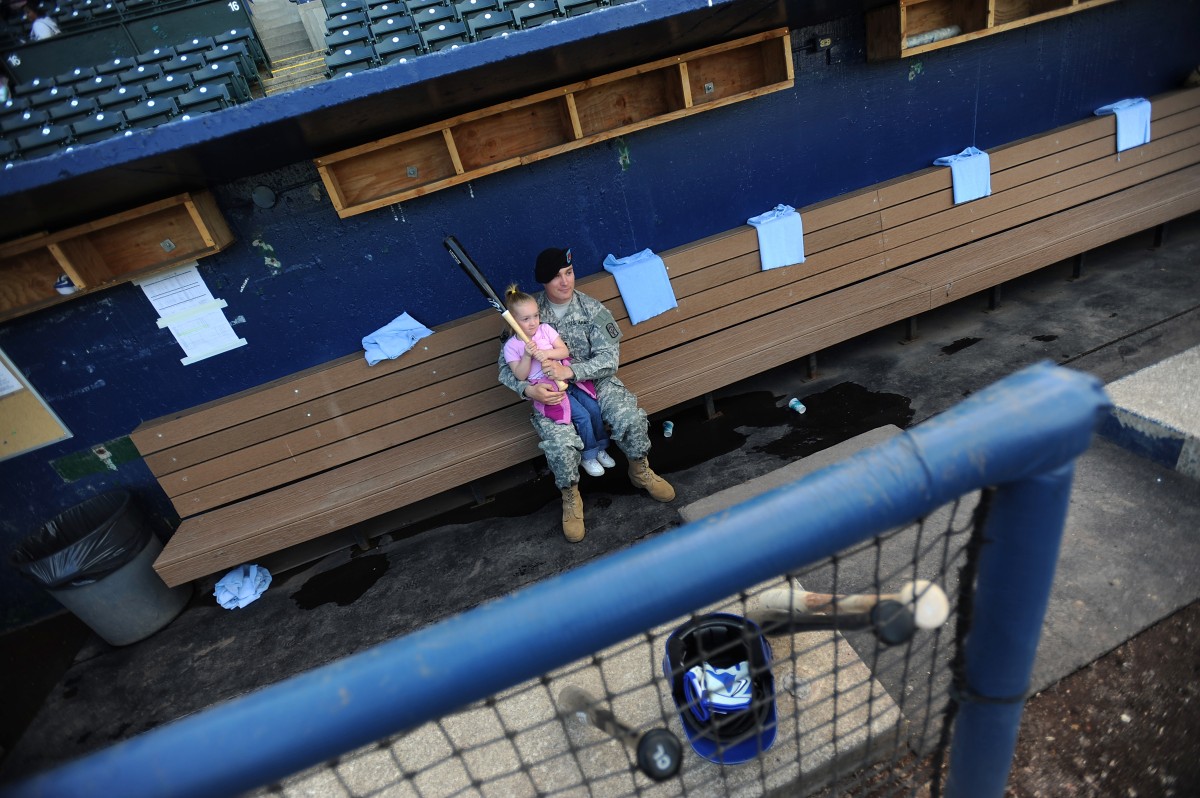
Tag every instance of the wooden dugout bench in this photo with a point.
(336, 445)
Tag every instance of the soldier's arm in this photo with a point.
(510, 380)
(605, 339)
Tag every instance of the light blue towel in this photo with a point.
(394, 339)
(780, 237)
(1133, 121)
(971, 173)
(644, 285)
(241, 586)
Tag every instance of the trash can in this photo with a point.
(97, 560)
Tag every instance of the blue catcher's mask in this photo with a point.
(719, 667)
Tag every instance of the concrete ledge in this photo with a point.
(1156, 413)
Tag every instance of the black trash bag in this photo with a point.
(84, 544)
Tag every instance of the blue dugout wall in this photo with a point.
(104, 367)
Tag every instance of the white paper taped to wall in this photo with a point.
(187, 308)
(8, 381)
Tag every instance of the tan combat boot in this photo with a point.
(572, 514)
(641, 476)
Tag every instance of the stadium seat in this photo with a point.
(97, 85)
(247, 37)
(104, 13)
(197, 44)
(572, 8)
(8, 150)
(531, 13)
(151, 112)
(115, 65)
(51, 96)
(139, 75)
(432, 15)
(391, 26)
(74, 20)
(443, 34)
(203, 99)
(415, 6)
(468, 8)
(240, 56)
(340, 21)
(14, 105)
(156, 56)
(227, 73)
(99, 126)
(16, 124)
(43, 141)
(335, 7)
(166, 87)
(75, 76)
(486, 24)
(344, 37)
(185, 62)
(121, 98)
(349, 59)
(32, 87)
(71, 111)
(399, 45)
(389, 9)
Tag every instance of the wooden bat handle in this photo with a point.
(507, 316)
(928, 601)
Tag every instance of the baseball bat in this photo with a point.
(658, 750)
(464, 261)
(926, 601)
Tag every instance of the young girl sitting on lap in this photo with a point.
(579, 405)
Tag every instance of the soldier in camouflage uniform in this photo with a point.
(593, 338)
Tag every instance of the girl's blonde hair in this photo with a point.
(513, 296)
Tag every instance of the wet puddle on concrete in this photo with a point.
(343, 584)
(959, 345)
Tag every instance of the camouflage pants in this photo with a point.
(564, 448)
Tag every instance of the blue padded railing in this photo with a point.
(1019, 436)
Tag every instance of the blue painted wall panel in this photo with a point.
(104, 367)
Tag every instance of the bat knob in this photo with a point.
(659, 754)
(893, 622)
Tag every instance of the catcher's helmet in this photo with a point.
(719, 667)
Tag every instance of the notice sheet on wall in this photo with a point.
(8, 381)
(188, 309)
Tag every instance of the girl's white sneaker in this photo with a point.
(592, 467)
(605, 460)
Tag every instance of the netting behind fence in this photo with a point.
(523, 696)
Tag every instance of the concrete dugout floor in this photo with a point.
(1131, 553)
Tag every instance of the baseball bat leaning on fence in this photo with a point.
(461, 257)
(658, 750)
(926, 601)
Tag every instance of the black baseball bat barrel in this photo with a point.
(891, 621)
(658, 750)
(464, 260)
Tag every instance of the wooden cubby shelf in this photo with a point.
(478, 143)
(911, 27)
(109, 251)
